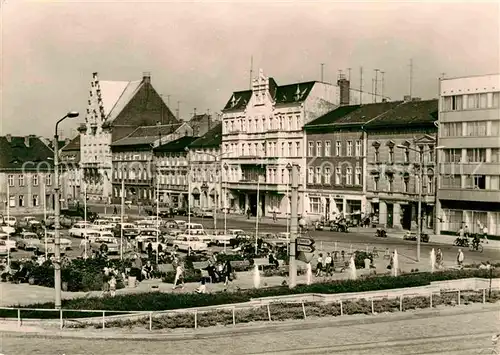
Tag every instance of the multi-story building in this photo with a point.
(262, 133)
(26, 175)
(201, 124)
(172, 167)
(70, 173)
(115, 110)
(392, 172)
(205, 170)
(336, 159)
(133, 161)
(469, 172)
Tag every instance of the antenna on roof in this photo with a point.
(376, 83)
(322, 67)
(411, 76)
(360, 85)
(178, 110)
(383, 73)
(251, 71)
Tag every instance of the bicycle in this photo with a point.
(494, 349)
(476, 247)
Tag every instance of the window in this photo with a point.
(495, 128)
(472, 101)
(318, 149)
(338, 175)
(375, 183)
(496, 100)
(456, 103)
(314, 205)
(12, 201)
(495, 155)
(376, 153)
(348, 176)
(452, 155)
(495, 182)
(11, 180)
(328, 151)
(310, 149)
(21, 201)
(297, 145)
(48, 180)
(318, 175)
(289, 149)
(406, 183)
(349, 148)
(357, 176)
(476, 128)
(36, 202)
(391, 154)
(21, 180)
(406, 155)
(476, 155)
(483, 100)
(338, 148)
(310, 177)
(451, 181)
(390, 179)
(430, 183)
(290, 123)
(328, 175)
(477, 182)
(282, 149)
(451, 129)
(358, 148)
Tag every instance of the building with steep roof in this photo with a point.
(26, 175)
(262, 132)
(116, 109)
(201, 124)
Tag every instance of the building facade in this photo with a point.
(205, 170)
(262, 133)
(172, 166)
(71, 172)
(469, 171)
(395, 139)
(133, 161)
(115, 110)
(26, 175)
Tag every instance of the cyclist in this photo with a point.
(475, 241)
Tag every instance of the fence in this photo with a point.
(268, 311)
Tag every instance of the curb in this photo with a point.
(210, 332)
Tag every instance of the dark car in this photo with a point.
(424, 237)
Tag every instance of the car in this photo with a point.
(409, 235)
(106, 243)
(79, 229)
(181, 224)
(64, 242)
(10, 221)
(180, 211)
(4, 249)
(197, 226)
(221, 238)
(7, 229)
(207, 213)
(190, 244)
(129, 230)
(11, 243)
(103, 224)
(29, 222)
(199, 233)
(50, 247)
(28, 241)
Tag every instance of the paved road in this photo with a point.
(459, 332)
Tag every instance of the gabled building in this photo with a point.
(69, 158)
(133, 160)
(201, 124)
(336, 160)
(205, 169)
(392, 184)
(262, 133)
(172, 167)
(115, 110)
(26, 175)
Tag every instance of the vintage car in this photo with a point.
(409, 235)
(191, 244)
(28, 241)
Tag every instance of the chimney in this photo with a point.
(146, 77)
(27, 141)
(345, 90)
(9, 138)
(407, 98)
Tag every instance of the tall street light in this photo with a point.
(421, 153)
(57, 212)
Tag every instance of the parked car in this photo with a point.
(4, 249)
(11, 243)
(199, 233)
(221, 238)
(28, 241)
(107, 244)
(206, 213)
(7, 229)
(190, 244)
(11, 221)
(409, 235)
(65, 243)
(79, 229)
(129, 230)
(28, 222)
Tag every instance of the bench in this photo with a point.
(202, 265)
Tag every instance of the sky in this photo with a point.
(199, 52)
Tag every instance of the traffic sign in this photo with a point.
(305, 241)
(305, 248)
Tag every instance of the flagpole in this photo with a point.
(85, 217)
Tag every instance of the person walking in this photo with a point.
(115, 210)
(319, 265)
(112, 286)
(460, 258)
(485, 233)
(228, 270)
(179, 275)
(328, 264)
(439, 259)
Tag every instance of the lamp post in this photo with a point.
(294, 221)
(421, 153)
(57, 212)
(226, 167)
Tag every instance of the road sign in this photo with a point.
(305, 241)
(305, 248)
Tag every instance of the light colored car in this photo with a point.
(206, 213)
(194, 226)
(112, 245)
(79, 229)
(11, 243)
(28, 241)
(190, 244)
(7, 229)
(29, 221)
(65, 243)
(235, 232)
(199, 233)
(11, 221)
(103, 224)
(4, 249)
(221, 238)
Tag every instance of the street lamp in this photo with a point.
(226, 167)
(57, 212)
(294, 172)
(420, 187)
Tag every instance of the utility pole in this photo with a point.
(373, 90)
(360, 85)
(322, 76)
(383, 72)
(376, 83)
(294, 224)
(411, 77)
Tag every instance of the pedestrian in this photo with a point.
(179, 275)
(112, 286)
(439, 258)
(328, 264)
(274, 216)
(485, 233)
(202, 288)
(115, 210)
(319, 265)
(460, 259)
(228, 270)
(466, 232)
(248, 213)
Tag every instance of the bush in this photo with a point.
(190, 275)
(359, 258)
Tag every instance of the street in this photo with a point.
(449, 331)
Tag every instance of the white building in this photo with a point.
(262, 132)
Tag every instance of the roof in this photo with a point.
(116, 95)
(15, 155)
(144, 135)
(352, 115)
(74, 144)
(211, 139)
(178, 145)
(199, 118)
(408, 114)
(284, 94)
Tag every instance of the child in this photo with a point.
(202, 288)
(112, 286)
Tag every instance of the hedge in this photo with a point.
(159, 301)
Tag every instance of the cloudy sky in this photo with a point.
(199, 52)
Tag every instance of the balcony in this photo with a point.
(252, 185)
(474, 195)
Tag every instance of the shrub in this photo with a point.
(359, 258)
(190, 275)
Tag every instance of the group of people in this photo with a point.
(218, 270)
(464, 233)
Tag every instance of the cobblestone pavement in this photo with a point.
(450, 331)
